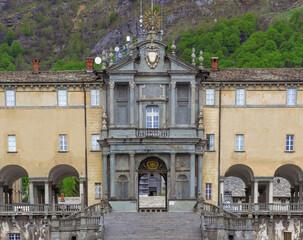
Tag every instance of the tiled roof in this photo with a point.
(256, 74)
(45, 77)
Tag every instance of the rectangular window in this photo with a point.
(14, 236)
(97, 190)
(10, 98)
(210, 142)
(95, 144)
(62, 97)
(239, 142)
(291, 96)
(290, 143)
(210, 97)
(94, 97)
(63, 142)
(240, 96)
(208, 191)
(152, 117)
(12, 143)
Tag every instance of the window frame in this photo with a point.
(291, 148)
(13, 148)
(95, 101)
(213, 100)
(238, 147)
(64, 146)
(290, 103)
(8, 101)
(152, 115)
(98, 190)
(238, 98)
(95, 146)
(210, 147)
(14, 236)
(208, 191)
(58, 97)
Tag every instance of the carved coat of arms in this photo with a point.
(152, 55)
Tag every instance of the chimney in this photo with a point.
(36, 65)
(214, 63)
(89, 65)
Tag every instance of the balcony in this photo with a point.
(152, 132)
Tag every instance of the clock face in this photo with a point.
(98, 60)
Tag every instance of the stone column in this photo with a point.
(270, 192)
(132, 103)
(81, 188)
(35, 195)
(300, 192)
(10, 196)
(1, 193)
(105, 185)
(132, 175)
(296, 195)
(173, 104)
(192, 174)
(173, 175)
(31, 193)
(46, 192)
(112, 175)
(221, 197)
(6, 196)
(193, 104)
(256, 191)
(112, 103)
(292, 192)
(200, 177)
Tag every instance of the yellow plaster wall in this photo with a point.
(37, 132)
(265, 97)
(300, 97)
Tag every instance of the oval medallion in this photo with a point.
(152, 165)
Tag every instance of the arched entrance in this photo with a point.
(152, 185)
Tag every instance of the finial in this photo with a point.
(104, 59)
(201, 60)
(173, 48)
(111, 56)
(193, 57)
(131, 49)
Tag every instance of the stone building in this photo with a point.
(154, 114)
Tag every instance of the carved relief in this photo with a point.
(152, 55)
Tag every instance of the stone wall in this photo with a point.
(36, 229)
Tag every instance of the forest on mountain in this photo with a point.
(243, 34)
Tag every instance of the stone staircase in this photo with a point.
(156, 226)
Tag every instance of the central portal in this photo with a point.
(152, 185)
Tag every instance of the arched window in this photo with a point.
(152, 117)
(182, 187)
(122, 187)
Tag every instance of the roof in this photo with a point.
(256, 74)
(47, 77)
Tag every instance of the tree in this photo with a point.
(9, 38)
(16, 49)
(112, 16)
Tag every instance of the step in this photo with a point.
(139, 226)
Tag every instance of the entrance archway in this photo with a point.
(152, 185)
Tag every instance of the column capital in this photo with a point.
(132, 84)
(193, 84)
(172, 154)
(112, 154)
(131, 154)
(173, 84)
(105, 154)
(111, 85)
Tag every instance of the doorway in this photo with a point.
(152, 186)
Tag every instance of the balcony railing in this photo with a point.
(280, 208)
(152, 132)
